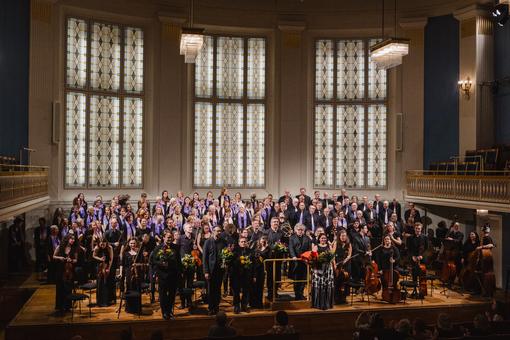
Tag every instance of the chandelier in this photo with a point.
(192, 40)
(389, 52)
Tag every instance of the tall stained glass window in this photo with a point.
(104, 89)
(229, 113)
(350, 116)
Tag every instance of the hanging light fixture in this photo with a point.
(389, 52)
(192, 40)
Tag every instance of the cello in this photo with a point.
(372, 280)
(390, 280)
(449, 269)
(486, 262)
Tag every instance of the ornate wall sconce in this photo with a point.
(465, 86)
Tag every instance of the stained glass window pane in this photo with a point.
(376, 78)
(229, 144)
(105, 57)
(230, 67)
(133, 142)
(324, 69)
(133, 60)
(255, 121)
(350, 69)
(76, 74)
(350, 145)
(256, 68)
(204, 69)
(203, 167)
(75, 139)
(323, 145)
(104, 141)
(376, 146)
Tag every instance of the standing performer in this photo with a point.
(131, 270)
(262, 252)
(298, 244)
(167, 264)
(417, 244)
(343, 251)
(114, 238)
(213, 270)
(322, 278)
(274, 236)
(242, 275)
(66, 255)
(186, 245)
(360, 247)
(103, 254)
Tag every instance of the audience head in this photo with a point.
(403, 327)
(221, 319)
(444, 322)
(282, 318)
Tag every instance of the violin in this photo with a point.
(196, 253)
(390, 280)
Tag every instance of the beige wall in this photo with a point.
(290, 27)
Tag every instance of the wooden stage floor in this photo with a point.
(37, 318)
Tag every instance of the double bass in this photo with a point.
(486, 263)
(449, 269)
(390, 292)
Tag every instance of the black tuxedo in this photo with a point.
(379, 204)
(300, 216)
(370, 214)
(168, 276)
(397, 209)
(325, 221)
(212, 265)
(297, 246)
(308, 200)
(384, 215)
(242, 277)
(312, 221)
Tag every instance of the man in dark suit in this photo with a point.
(361, 246)
(213, 271)
(312, 219)
(285, 196)
(274, 235)
(302, 192)
(370, 213)
(325, 219)
(385, 214)
(364, 204)
(377, 204)
(326, 200)
(352, 212)
(298, 244)
(396, 208)
(242, 276)
(166, 260)
(300, 215)
(412, 212)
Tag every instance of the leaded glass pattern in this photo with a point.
(76, 68)
(203, 146)
(324, 125)
(75, 139)
(350, 145)
(256, 68)
(229, 144)
(376, 78)
(133, 60)
(350, 69)
(98, 152)
(104, 141)
(376, 145)
(230, 67)
(350, 116)
(230, 113)
(133, 142)
(204, 69)
(105, 57)
(255, 155)
(324, 69)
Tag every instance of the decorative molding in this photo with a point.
(471, 11)
(418, 23)
(171, 19)
(18, 209)
(458, 203)
(292, 26)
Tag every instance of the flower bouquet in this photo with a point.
(325, 257)
(226, 256)
(165, 255)
(245, 262)
(280, 249)
(189, 263)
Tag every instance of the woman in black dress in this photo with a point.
(103, 255)
(262, 252)
(65, 256)
(343, 251)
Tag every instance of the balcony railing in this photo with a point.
(487, 186)
(21, 183)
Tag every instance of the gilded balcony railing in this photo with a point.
(487, 186)
(21, 183)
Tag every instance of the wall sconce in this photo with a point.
(465, 86)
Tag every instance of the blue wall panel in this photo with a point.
(441, 111)
(502, 97)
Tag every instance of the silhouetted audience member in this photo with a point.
(281, 324)
(403, 329)
(497, 312)
(481, 326)
(420, 330)
(221, 330)
(445, 328)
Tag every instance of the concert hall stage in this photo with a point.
(37, 321)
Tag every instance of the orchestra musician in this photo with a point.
(274, 236)
(343, 251)
(103, 255)
(167, 264)
(186, 245)
(417, 244)
(387, 255)
(66, 257)
(360, 248)
(262, 253)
